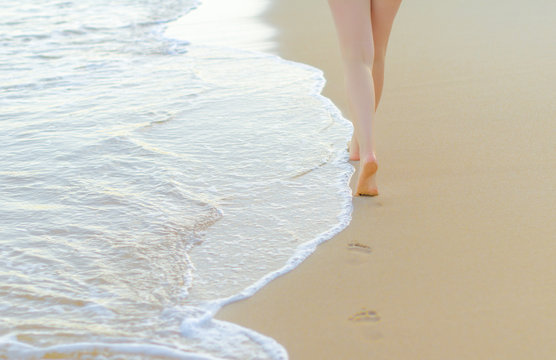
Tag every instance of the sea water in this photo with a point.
(146, 181)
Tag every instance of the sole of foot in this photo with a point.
(366, 185)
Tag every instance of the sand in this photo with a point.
(456, 258)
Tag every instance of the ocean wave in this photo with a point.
(149, 181)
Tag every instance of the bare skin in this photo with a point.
(363, 28)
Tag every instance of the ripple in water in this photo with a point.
(143, 180)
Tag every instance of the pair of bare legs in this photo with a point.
(363, 28)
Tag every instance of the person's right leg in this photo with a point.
(382, 18)
(353, 25)
(383, 13)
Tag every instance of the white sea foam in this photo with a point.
(146, 182)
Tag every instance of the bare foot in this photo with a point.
(353, 151)
(366, 185)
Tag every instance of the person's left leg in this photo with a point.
(353, 25)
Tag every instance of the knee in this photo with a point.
(359, 53)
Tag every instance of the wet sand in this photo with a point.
(455, 259)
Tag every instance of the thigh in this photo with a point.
(353, 25)
(383, 13)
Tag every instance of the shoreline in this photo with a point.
(428, 269)
(263, 45)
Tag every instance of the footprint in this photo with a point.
(365, 316)
(368, 332)
(359, 247)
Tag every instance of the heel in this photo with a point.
(366, 185)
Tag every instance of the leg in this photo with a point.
(353, 25)
(383, 13)
(382, 18)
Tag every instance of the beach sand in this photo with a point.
(456, 258)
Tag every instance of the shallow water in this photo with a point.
(145, 181)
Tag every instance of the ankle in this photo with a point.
(368, 157)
